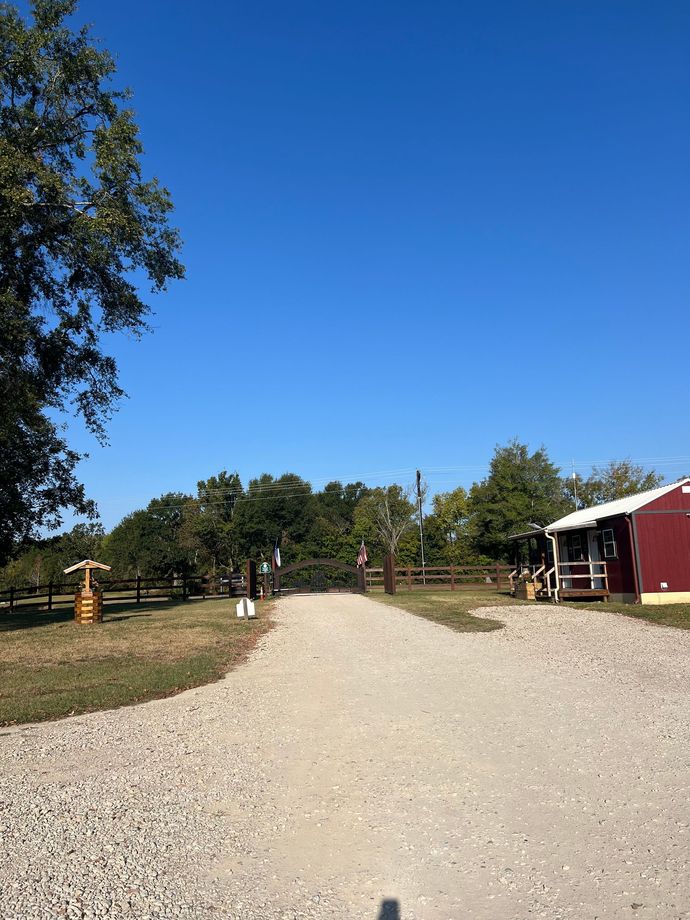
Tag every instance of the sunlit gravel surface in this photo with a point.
(362, 757)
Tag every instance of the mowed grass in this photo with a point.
(51, 667)
(450, 608)
(455, 608)
(677, 615)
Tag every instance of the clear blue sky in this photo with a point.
(411, 231)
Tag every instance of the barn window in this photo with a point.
(610, 548)
(576, 547)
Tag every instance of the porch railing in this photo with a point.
(539, 575)
(583, 575)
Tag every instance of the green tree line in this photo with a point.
(226, 522)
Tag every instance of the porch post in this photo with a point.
(554, 544)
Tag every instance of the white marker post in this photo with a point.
(246, 608)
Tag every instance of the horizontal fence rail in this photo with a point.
(59, 594)
(139, 590)
(445, 577)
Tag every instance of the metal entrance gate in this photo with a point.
(319, 576)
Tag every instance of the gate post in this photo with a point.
(251, 579)
(362, 579)
(389, 574)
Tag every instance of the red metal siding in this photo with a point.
(672, 501)
(620, 570)
(664, 547)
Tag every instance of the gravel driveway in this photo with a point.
(366, 763)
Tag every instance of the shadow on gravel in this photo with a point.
(390, 910)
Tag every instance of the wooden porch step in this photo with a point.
(583, 592)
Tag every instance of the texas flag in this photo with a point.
(276, 556)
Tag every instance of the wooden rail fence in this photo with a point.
(445, 577)
(139, 590)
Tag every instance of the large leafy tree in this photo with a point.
(333, 534)
(522, 488)
(450, 520)
(209, 527)
(43, 561)
(148, 542)
(79, 226)
(618, 479)
(383, 516)
(271, 509)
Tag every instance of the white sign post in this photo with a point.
(245, 608)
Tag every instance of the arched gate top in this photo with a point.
(332, 563)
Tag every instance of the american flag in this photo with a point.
(362, 557)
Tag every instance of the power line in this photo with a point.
(272, 490)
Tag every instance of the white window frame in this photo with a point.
(609, 542)
(578, 555)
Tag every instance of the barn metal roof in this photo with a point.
(588, 517)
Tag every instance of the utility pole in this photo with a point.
(421, 523)
(574, 483)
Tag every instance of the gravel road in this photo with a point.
(365, 763)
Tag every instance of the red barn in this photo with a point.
(634, 549)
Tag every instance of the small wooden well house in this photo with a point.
(88, 601)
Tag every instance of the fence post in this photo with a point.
(498, 576)
(11, 599)
(409, 578)
(452, 578)
(184, 587)
(389, 575)
(138, 589)
(251, 579)
(50, 595)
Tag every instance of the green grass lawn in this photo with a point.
(50, 667)
(455, 608)
(677, 615)
(450, 608)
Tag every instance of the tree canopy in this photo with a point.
(215, 530)
(522, 488)
(385, 514)
(618, 479)
(80, 225)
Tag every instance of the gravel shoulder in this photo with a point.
(363, 754)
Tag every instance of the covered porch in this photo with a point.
(558, 566)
